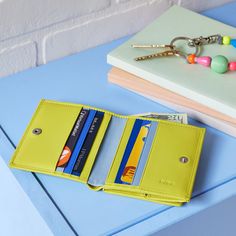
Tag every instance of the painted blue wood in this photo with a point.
(35, 192)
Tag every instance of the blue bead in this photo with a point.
(233, 42)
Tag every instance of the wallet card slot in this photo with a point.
(145, 154)
(165, 172)
(39, 151)
(117, 158)
(95, 148)
(107, 151)
(79, 144)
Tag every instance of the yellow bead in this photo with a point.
(226, 40)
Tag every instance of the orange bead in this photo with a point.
(191, 58)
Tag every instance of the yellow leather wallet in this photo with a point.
(167, 161)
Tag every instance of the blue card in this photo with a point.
(85, 150)
(69, 168)
(133, 136)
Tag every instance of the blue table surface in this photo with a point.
(82, 78)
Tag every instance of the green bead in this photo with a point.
(219, 64)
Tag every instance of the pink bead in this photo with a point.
(205, 61)
(232, 65)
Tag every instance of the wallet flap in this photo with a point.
(173, 160)
(44, 138)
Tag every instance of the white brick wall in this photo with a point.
(33, 32)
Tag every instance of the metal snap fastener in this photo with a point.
(183, 159)
(37, 131)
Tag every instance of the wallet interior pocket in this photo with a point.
(173, 160)
(107, 152)
(45, 137)
(117, 158)
(132, 170)
(145, 154)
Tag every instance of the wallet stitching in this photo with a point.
(156, 200)
(148, 192)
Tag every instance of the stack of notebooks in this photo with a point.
(203, 94)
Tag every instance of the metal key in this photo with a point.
(156, 55)
(152, 46)
(171, 52)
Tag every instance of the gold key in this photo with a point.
(171, 52)
(153, 46)
(156, 55)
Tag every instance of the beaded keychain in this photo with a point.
(219, 64)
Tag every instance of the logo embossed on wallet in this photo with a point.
(166, 182)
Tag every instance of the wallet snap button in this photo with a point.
(37, 131)
(183, 159)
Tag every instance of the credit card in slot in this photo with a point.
(133, 136)
(71, 141)
(70, 165)
(84, 152)
(132, 163)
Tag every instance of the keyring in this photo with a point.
(185, 55)
(172, 49)
(219, 64)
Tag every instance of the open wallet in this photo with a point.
(133, 156)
